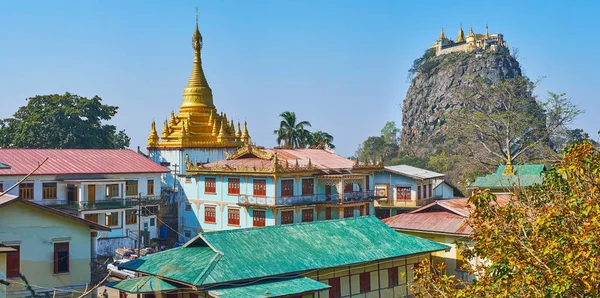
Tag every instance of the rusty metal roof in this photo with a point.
(76, 161)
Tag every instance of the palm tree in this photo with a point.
(322, 140)
(292, 134)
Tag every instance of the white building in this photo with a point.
(103, 186)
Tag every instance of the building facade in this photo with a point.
(52, 250)
(403, 188)
(471, 42)
(103, 186)
(264, 187)
(358, 257)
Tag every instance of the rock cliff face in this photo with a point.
(433, 91)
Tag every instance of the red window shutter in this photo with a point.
(13, 262)
(367, 183)
(365, 282)
(260, 187)
(287, 188)
(233, 186)
(308, 187)
(336, 288)
(287, 217)
(307, 215)
(349, 187)
(258, 218)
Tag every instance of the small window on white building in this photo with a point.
(187, 234)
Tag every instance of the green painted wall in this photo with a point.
(36, 231)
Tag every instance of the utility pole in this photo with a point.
(139, 221)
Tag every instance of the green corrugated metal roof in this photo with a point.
(272, 288)
(146, 284)
(245, 254)
(524, 175)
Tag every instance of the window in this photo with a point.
(287, 187)
(187, 234)
(26, 191)
(258, 218)
(336, 288)
(328, 192)
(233, 216)
(348, 212)
(91, 217)
(210, 214)
(307, 215)
(61, 257)
(188, 207)
(430, 194)
(260, 187)
(152, 222)
(233, 186)
(365, 282)
(419, 194)
(13, 262)
(130, 217)
(210, 185)
(308, 187)
(367, 183)
(403, 193)
(392, 277)
(131, 187)
(327, 213)
(349, 187)
(1, 187)
(287, 217)
(112, 219)
(150, 187)
(49, 191)
(112, 190)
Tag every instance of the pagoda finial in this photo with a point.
(153, 138)
(508, 170)
(222, 132)
(238, 132)
(183, 130)
(245, 135)
(442, 35)
(172, 120)
(165, 130)
(197, 94)
(215, 129)
(461, 34)
(487, 34)
(210, 118)
(471, 32)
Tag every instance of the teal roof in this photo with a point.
(272, 288)
(524, 175)
(146, 284)
(244, 254)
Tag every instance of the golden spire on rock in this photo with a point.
(487, 34)
(471, 32)
(153, 138)
(197, 95)
(461, 35)
(442, 35)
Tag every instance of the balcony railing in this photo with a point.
(108, 203)
(350, 197)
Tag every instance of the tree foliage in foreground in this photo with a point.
(294, 134)
(62, 121)
(544, 243)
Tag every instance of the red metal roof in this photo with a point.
(442, 216)
(76, 161)
(319, 158)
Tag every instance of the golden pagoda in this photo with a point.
(461, 35)
(197, 125)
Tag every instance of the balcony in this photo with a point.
(347, 198)
(112, 203)
(405, 203)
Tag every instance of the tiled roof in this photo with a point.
(6, 200)
(413, 172)
(76, 161)
(524, 175)
(244, 254)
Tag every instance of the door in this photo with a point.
(71, 194)
(91, 195)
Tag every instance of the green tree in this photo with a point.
(390, 131)
(62, 121)
(291, 133)
(322, 140)
(544, 242)
(559, 112)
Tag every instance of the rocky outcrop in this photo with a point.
(433, 91)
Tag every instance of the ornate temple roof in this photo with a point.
(198, 124)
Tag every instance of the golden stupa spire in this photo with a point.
(183, 130)
(197, 95)
(487, 34)
(215, 129)
(245, 135)
(461, 35)
(165, 130)
(471, 32)
(221, 136)
(172, 121)
(232, 128)
(153, 137)
(238, 132)
(442, 35)
(508, 170)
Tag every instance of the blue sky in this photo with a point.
(341, 65)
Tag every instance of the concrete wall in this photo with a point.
(36, 231)
(107, 246)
